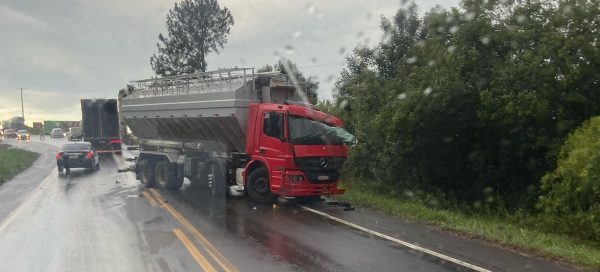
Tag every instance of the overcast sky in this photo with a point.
(65, 50)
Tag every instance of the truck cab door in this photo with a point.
(273, 145)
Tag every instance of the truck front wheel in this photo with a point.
(259, 187)
(167, 176)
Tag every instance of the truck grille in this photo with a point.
(317, 168)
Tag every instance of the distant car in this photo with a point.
(75, 133)
(10, 133)
(56, 133)
(77, 155)
(22, 135)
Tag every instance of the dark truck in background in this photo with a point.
(100, 124)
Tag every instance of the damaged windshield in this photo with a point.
(304, 131)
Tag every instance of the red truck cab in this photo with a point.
(289, 153)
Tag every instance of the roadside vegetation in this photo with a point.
(468, 119)
(514, 231)
(13, 161)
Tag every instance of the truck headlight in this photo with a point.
(295, 178)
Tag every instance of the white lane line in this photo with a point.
(26, 202)
(404, 243)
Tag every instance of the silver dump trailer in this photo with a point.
(210, 109)
(190, 122)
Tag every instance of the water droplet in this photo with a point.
(360, 34)
(289, 49)
(485, 39)
(342, 105)
(469, 16)
(409, 193)
(451, 49)
(449, 19)
(369, 15)
(431, 63)
(420, 43)
(521, 18)
(330, 78)
(427, 91)
(310, 9)
(342, 50)
(411, 60)
(243, 61)
(453, 29)
(297, 34)
(313, 59)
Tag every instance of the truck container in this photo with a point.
(100, 124)
(234, 131)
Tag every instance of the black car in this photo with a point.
(77, 155)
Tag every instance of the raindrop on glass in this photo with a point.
(297, 34)
(451, 48)
(342, 50)
(310, 9)
(453, 29)
(521, 18)
(469, 16)
(402, 96)
(289, 49)
(427, 91)
(485, 40)
(343, 104)
(411, 60)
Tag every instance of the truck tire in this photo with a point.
(167, 176)
(258, 187)
(147, 173)
(214, 175)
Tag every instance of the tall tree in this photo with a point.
(194, 29)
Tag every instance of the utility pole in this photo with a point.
(22, 108)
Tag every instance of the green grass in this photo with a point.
(13, 161)
(486, 227)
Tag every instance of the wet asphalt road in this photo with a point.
(107, 221)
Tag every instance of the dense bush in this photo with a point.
(472, 103)
(570, 202)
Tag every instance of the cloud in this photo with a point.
(13, 17)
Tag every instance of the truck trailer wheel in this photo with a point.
(215, 179)
(167, 176)
(259, 187)
(147, 173)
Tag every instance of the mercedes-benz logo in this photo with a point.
(324, 163)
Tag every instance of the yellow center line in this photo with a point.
(202, 262)
(150, 199)
(212, 250)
